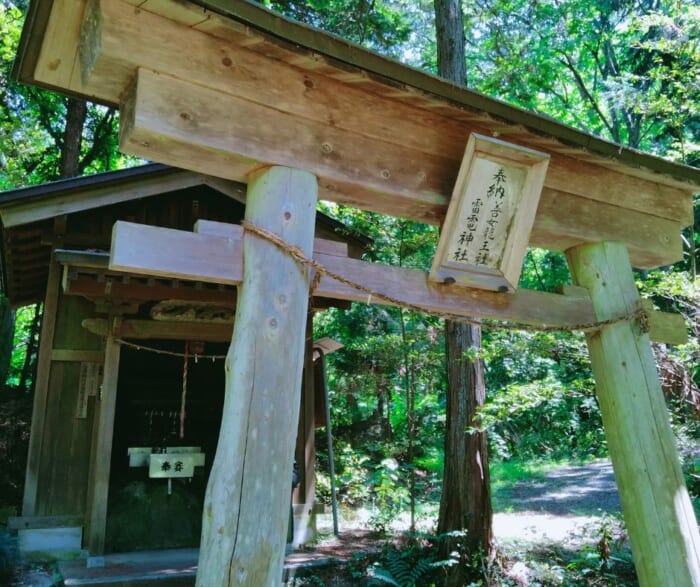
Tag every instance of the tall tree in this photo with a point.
(465, 503)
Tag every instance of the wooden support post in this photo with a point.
(303, 496)
(662, 526)
(246, 508)
(101, 457)
(41, 389)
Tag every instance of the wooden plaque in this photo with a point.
(490, 216)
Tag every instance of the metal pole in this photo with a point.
(329, 436)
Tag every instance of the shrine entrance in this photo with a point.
(160, 505)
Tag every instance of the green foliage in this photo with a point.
(603, 559)
(413, 561)
(33, 123)
(618, 69)
(390, 496)
(544, 420)
(22, 341)
(15, 417)
(401, 568)
(505, 474)
(376, 24)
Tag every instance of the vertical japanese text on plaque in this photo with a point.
(485, 217)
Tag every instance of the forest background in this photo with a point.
(626, 70)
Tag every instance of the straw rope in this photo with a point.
(640, 315)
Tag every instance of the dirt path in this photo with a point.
(567, 505)
(564, 505)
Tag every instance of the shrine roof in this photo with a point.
(244, 88)
(343, 53)
(87, 206)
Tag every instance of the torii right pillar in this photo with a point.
(658, 512)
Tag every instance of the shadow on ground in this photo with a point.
(571, 490)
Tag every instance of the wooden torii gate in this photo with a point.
(229, 89)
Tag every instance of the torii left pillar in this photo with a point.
(246, 508)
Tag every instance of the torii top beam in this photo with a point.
(225, 87)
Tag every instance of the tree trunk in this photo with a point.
(465, 503)
(449, 28)
(76, 112)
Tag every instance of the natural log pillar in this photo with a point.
(246, 508)
(658, 512)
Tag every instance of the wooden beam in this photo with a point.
(101, 457)
(209, 259)
(139, 289)
(564, 220)
(233, 189)
(182, 120)
(184, 124)
(322, 246)
(149, 329)
(666, 326)
(246, 508)
(41, 390)
(223, 59)
(40, 522)
(78, 356)
(152, 250)
(58, 55)
(658, 512)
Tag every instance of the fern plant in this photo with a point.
(410, 567)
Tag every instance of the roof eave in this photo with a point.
(354, 55)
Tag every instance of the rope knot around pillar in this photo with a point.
(643, 319)
(292, 250)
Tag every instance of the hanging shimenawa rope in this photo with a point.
(184, 390)
(150, 349)
(300, 257)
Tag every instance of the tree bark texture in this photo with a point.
(465, 503)
(76, 113)
(449, 28)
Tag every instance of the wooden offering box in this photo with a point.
(490, 215)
